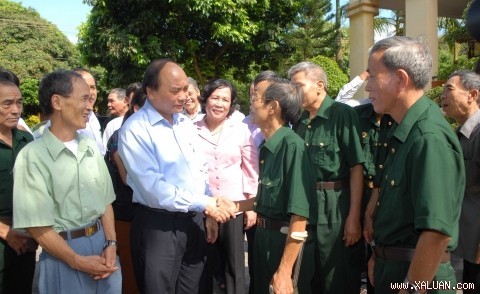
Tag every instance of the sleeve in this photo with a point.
(348, 90)
(148, 180)
(437, 184)
(32, 204)
(349, 137)
(249, 164)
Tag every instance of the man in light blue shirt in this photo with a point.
(168, 176)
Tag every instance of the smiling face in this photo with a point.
(456, 99)
(10, 106)
(171, 93)
(191, 104)
(218, 104)
(90, 80)
(75, 107)
(381, 85)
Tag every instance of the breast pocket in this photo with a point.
(323, 150)
(270, 190)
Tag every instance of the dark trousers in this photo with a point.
(16, 271)
(229, 249)
(251, 240)
(471, 274)
(168, 251)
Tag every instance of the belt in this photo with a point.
(332, 185)
(81, 232)
(167, 212)
(266, 223)
(401, 254)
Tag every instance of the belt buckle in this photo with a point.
(90, 230)
(370, 184)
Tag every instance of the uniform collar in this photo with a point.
(272, 143)
(55, 146)
(467, 128)
(411, 117)
(323, 111)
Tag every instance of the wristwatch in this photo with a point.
(110, 243)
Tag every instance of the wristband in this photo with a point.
(110, 243)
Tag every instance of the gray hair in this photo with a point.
(406, 53)
(288, 97)
(469, 79)
(121, 93)
(313, 71)
(191, 81)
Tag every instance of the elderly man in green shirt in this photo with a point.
(63, 193)
(421, 190)
(17, 249)
(330, 130)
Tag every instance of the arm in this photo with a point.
(429, 251)
(282, 279)
(121, 167)
(108, 223)
(56, 246)
(250, 175)
(14, 239)
(352, 230)
(348, 90)
(369, 214)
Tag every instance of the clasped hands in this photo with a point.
(221, 209)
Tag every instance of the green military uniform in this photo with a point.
(16, 271)
(333, 143)
(422, 188)
(286, 187)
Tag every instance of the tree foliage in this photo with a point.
(31, 47)
(336, 78)
(208, 37)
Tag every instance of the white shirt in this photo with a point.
(111, 127)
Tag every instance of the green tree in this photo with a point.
(336, 78)
(30, 47)
(208, 37)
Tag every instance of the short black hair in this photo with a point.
(8, 76)
(214, 84)
(150, 78)
(288, 96)
(132, 88)
(268, 75)
(59, 82)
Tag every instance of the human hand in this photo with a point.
(221, 209)
(282, 283)
(368, 229)
(94, 265)
(351, 231)
(18, 241)
(110, 256)
(249, 219)
(371, 265)
(211, 227)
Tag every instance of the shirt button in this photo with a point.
(378, 203)
(259, 181)
(268, 184)
(369, 177)
(380, 166)
(309, 126)
(392, 183)
(389, 123)
(306, 144)
(321, 144)
(393, 150)
(385, 145)
(262, 161)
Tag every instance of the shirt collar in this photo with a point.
(272, 143)
(467, 128)
(323, 111)
(411, 117)
(154, 117)
(55, 146)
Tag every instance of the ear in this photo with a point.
(320, 86)
(273, 107)
(473, 95)
(403, 79)
(56, 102)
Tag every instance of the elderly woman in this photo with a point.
(192, 107)
(285, 195)
(233, 171)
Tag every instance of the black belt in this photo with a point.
(401, 253)
(332, 185)
(169, 213)
(81, 232)
(266, 223)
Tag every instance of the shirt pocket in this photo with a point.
(323, 150)
(270, 191)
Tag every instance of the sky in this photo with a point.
(67, 15)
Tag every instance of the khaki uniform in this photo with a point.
(421, 188)
(333, 141)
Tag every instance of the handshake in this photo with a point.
(221, 209)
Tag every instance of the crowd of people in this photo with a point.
(162, 200)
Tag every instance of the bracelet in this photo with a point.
(110, 243)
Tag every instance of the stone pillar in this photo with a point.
(361, 14)
(421, 23)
